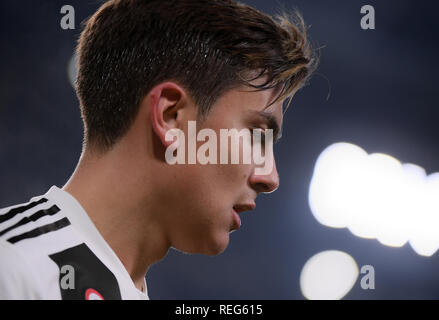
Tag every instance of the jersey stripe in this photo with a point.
(13, 212)
(64, 222)
(39, 214)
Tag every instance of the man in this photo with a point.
(146, 68)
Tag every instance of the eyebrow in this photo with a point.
(271, 123)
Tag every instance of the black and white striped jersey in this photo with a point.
(50, 249)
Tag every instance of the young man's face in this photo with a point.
(204, 198)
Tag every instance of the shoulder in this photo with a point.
(17, 277)
(29, 233)
(29, 224)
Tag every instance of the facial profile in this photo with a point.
(204, 200)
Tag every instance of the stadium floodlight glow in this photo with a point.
(375, 196)
(328, 275)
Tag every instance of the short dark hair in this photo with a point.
(207, 46)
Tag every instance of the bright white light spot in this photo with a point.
(328, 275)
(375, 196)
(72, 70)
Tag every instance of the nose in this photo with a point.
(265, 183)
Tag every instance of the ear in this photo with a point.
(167, 102)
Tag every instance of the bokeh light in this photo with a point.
(328, 275)
(376, 196)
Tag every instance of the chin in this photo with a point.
(217, 245)
(211, 246)
(215, 251)
(214, 246)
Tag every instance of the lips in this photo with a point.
(236, 221)
(244, 207)
(238, 209)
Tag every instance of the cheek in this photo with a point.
(208, 195)
(199, 187)
(202, 201)
(235, 176)
(205, 194)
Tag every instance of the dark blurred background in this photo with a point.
(375, 88)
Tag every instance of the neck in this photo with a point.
(123, 210)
